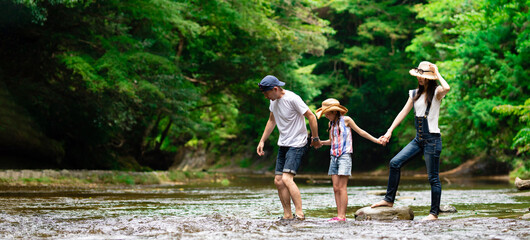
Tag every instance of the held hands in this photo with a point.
(316, 143)
(383, 140)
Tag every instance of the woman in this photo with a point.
(426, 101)
(340, 140)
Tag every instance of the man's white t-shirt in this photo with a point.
(420, 107)
(289, 116)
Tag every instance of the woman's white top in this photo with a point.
(420, 106)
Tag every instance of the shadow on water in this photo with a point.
(248, 207)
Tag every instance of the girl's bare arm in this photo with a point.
(350, 123)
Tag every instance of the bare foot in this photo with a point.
(382, 203)
(299, 217)
(287, 216)
(430, 218)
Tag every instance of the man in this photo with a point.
(287, 111)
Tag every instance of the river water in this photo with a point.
(247, 207)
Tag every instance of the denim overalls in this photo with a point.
(431, 146)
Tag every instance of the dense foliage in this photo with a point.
(119, 78)
(131, 84)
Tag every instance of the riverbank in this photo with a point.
(92, 178)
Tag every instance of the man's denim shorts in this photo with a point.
(340, 165)
(289, 159)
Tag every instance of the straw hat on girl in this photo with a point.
(330, 105)
(423, 70)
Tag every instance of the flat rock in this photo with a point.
(526, 216)
(447, 209)
(379, 193)
(318, 181)
(384, 213)
(520, 194)
(406, 198)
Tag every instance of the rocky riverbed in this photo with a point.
(248, 207)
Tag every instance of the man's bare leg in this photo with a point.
(288, 180)
(285, 197)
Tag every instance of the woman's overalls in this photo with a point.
(431, 146)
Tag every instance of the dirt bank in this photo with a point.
(105, 177)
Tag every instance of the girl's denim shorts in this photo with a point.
(340, 165)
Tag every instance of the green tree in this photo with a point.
(110, 79)
(521, 141)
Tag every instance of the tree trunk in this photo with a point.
(147, 132)
(164, 135)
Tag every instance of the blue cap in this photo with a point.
(269, 82)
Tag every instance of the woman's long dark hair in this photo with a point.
(431, 87)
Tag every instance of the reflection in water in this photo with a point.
(249, 208)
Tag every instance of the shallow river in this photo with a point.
(248, 207)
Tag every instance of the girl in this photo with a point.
(340, 139)
(426, 100)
